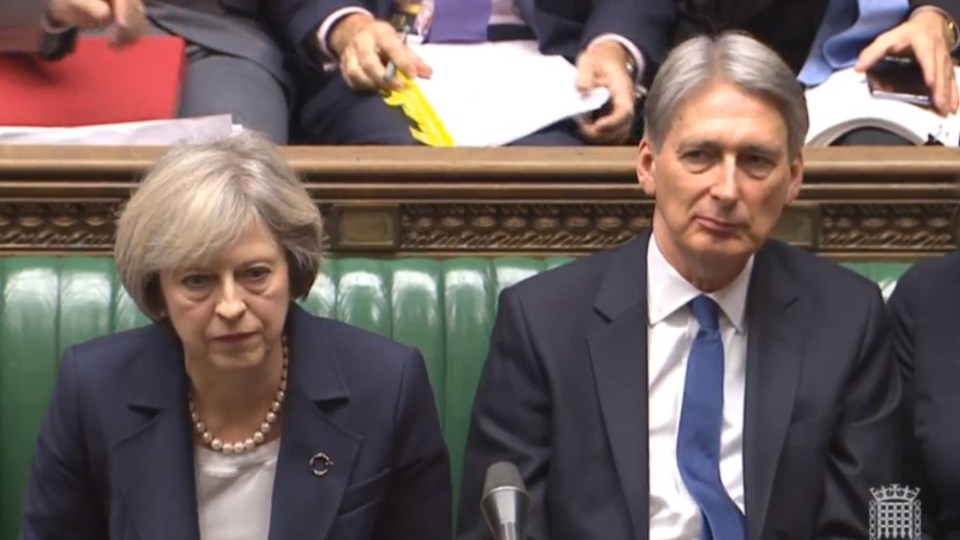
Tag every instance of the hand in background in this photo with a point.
(127, 18)
(927, 35)
(604, 63)
(364, 46)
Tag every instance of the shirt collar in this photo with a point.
(668, 291)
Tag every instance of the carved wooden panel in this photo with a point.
(520, 227)
(889, 227)
(856, 228)
(39, 226)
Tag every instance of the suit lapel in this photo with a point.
(618, 352)
(153, 457)
(774, 356)
(304, 504)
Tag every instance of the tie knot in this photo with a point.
(706, 311)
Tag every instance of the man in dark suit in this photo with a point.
(924, 312)
(795, 29)
(703, 380)
(612, 41)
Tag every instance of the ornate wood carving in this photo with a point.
(855, 203)
(889, 226)
(55, 226)
(858, 229)
(520, 227)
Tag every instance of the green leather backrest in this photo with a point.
(444, 307)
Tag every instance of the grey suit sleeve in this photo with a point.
(61, 500)
(866, 450)
(511, 421)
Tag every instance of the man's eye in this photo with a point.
(757, 160)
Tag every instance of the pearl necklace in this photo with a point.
(259, 435)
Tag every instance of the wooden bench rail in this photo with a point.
(352, 163)
(867, 203)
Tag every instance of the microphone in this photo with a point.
(505, 502)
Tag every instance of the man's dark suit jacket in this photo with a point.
(786, 26)
(115, 455)
(564, 396)
(925, 310)
(562, 26)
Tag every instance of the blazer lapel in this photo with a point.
(774, 355)
(153, 457)
(618, 352)
(305, 503)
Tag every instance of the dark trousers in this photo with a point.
(335, 114)
(871, 137)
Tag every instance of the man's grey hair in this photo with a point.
(198, 199)
(734, 57)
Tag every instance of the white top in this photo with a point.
(674, 515)
(234, 492)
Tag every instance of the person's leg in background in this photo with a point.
(562, 133)
(871, 137)
(218, 83)
(335, 114)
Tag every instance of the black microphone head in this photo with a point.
(503, 474)
(505, 501)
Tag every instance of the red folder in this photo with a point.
(97, 84)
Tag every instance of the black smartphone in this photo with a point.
(900, 78)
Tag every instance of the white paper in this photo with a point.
(491, 94)
(151, 133)
(844, 103)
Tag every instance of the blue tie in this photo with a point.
(848, 27)
(698, 439)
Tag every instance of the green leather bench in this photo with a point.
(446, 308)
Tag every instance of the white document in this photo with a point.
(843, 103)
(151, 133)
(491, 94)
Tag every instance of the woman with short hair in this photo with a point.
(236, 415)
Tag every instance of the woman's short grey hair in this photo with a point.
(733, 57)
(198, 199)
